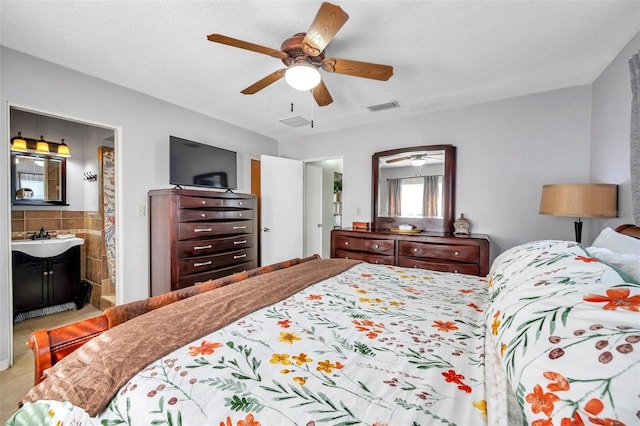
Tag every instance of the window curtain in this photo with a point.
(395, 194)
(634, 67)
(430, 196)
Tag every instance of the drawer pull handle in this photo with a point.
(377, 262)
(240, 242)
(415, 250)
(239, 214)
(346, 243)
(239, 227)
(202, 264)
(203, 215)
(202, 230)
(455, 271)
(456, 253)
(239, 203)
(203, 202)
(240, 256)
(377, 246)
(202, 247)
(45, 273)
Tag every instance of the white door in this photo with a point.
(312, 209)
(281, 192)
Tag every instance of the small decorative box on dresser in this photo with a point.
(427, 250)
(199, 235)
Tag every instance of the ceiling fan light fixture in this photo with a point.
(418, 162)
(302, 76)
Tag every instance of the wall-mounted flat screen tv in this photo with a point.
(197, 164)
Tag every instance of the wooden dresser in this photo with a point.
(428, 250)
(198, 235)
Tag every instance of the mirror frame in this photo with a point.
(430, 224)
(63, 184)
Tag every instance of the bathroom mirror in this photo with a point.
(414, 186)
(38, 180)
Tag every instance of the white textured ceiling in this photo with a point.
(444, 53)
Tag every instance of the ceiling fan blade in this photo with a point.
(358, 69)
(219, 38)
(394, 160)
(261, 84)
(321, 94)
(329, 19)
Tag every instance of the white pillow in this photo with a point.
(626, 262)
(617, 242)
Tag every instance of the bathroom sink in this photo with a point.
(45, 248)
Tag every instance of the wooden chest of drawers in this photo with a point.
(199, 235)
(438, 252)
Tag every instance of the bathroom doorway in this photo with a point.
(89, 210)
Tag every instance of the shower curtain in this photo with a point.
(108, 207)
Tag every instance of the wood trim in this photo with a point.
(255, 190)
(51, 346)
(630, 230)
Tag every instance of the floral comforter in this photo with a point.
(375, 345)
(566, 327)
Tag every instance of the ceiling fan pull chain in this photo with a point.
(312, 102)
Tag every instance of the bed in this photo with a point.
(550, 337)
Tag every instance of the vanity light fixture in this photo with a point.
(302, 76)
(18, 144)
(42, 146)
(63, 149)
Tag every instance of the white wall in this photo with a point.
(506, 151)
(610, 132)
(144, 125)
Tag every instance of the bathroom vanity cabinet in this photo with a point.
(42, 282)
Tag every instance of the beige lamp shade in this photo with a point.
(580, 200)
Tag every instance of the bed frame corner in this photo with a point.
(50, 346)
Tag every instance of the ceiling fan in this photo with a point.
(304, 53)
(416, 160)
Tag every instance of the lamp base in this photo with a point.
(578, 227)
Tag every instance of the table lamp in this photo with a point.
(579, 200)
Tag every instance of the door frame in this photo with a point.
(255, 185)
(8, 276)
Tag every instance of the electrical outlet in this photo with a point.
(142, 210)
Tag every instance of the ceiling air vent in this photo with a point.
(295, 121)
(381, 107)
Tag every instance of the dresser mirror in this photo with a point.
(414, 186)
(37, 180)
